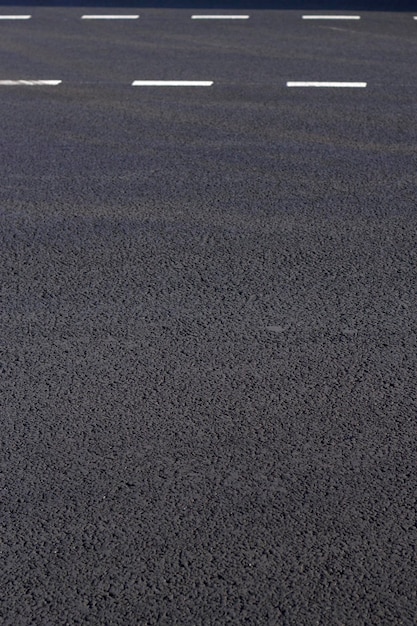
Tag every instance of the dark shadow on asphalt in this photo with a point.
(307, 5)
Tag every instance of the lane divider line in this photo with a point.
(15, 17)
(293, 83)
(29, 83)
(220, 17)
(180, 83)
(172, 83)
(331, 17)
(109, 17)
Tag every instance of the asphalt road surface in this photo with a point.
(208, 319)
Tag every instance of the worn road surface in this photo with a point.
(209, 318)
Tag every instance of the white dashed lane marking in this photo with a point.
(177, 83)
(292, 83)
(220, 17)
(110, 17)
(15, 17)
(29, 83)
(172, 83)
(331, 17)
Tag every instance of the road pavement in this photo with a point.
(208, 318)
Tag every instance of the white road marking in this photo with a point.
(110, 17)
(15, 17)
(331, 17)
(30, 83)
(220, 17)
(172, 83)
(322, 84)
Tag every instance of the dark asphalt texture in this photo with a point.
(208, 322)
